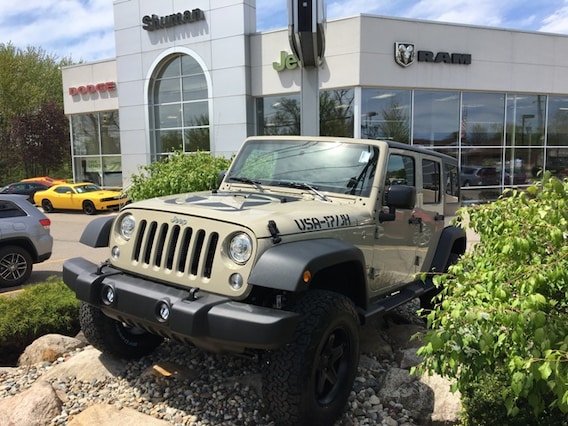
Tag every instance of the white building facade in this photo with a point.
(195, 75)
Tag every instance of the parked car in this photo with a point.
(84, 196)
(46, 180)
(24, 188)
(479, 176)
(25, 239)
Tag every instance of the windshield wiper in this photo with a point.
(254, 183)
(302, 185)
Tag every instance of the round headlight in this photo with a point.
(127, 225)
(240, 248)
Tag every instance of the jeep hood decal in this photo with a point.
(254, 211)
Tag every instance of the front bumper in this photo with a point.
(207, 320)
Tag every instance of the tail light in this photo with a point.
(45, 223)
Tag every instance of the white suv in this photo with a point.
(25, 239)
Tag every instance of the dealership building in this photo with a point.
(196, 75)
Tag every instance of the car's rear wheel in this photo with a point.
(308, 381)
(89, 207)
(15, 266)
(114, 337)
(46, 206)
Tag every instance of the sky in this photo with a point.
(83, 29)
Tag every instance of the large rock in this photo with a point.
(447, 404)
(108, 415)
(35, 406)
(401, 387)
(88, 365)
(48, 348)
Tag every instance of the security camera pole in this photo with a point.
(307, 40)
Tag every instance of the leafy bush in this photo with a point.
(177, 174)
(504, 305)
(40, 309)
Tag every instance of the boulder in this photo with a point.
(402, 388)
(35, 406)
(109, 415)
(447, 404)
(48, 348)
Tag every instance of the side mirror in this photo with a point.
(398, 197)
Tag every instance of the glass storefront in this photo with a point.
(501, 140)
(96, 148)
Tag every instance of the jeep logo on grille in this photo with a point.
(178, 221)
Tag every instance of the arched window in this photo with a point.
(179, 108)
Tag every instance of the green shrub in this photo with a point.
(39, 309)
(177, 174)
(504, 305)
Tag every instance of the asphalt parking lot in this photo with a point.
(66, 229)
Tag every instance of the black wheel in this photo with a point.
(46, 206)
(89, 207)
(308, 382)
(114, 337)
(15, 266)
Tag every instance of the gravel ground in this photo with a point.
(212, 390)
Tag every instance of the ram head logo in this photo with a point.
(404, 53)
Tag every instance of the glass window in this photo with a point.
(431, 181)
(112, 171)
(180, 107)
(336, 112)
(385, 114)
(84, 128)
(278, 115)
(480, 173)
(110, 132)
(436, 118)
(482, 120)
(452, 186)
(557, 161)
(401, 170)
(525, 128)
(557, 121)
(88, 169)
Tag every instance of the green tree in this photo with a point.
(504, 305)
(29, 80)
(41, 140)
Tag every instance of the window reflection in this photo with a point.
(483, 115)
(385, 114)
(436, 118)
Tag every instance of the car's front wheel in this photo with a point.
(114, 337)
(15, 266)
(308, 381)
(89, 208)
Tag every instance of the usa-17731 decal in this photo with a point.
(331, 221)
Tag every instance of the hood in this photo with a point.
(291, 214)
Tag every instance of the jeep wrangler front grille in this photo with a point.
(169, 247)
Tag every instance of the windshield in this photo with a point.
(325, 166)
(87, 188)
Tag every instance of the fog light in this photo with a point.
(115, 252)
(163, 311)
(108, 295)
(236, 281)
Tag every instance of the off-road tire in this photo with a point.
(113, 337)
(47, 206)
(89, 208)
(15, 266)
(308, 381)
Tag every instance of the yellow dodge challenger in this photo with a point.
(79, 196)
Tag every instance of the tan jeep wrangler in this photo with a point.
(303, 241)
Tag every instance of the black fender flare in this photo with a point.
(453, 239)
(282, 267)
(97, 232)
